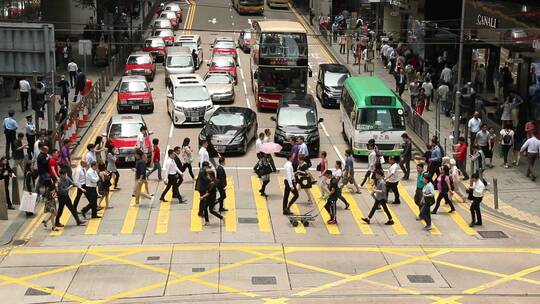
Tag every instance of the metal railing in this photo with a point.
(417, 124)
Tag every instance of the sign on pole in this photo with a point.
(85, 48)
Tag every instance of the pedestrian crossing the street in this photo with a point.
(265, 212)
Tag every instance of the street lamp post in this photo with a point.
(457, 104)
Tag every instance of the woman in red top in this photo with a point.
(156, 159)
(460, 155)
(421, 102)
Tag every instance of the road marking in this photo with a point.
(294, 208)
(162, 222)
(245, 88)
(92, 226)
(43, 289)
(131, 217)
(248, 105)
(460, 222)
(316, 192)
(414, 208)
(196, 220)
(65, 217)
(333, 145)
(241, 71)
(398, 228)
(357, 213)
(230, 204)
(171, 130)
(262, 207)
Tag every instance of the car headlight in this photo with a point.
(148, 71)
(360, 146)
(147, 101)
(201, 137)
(237, 140)
(209, 107)
(123, 101)
(397, 146)
(178, 108)
(262, 99)
(128, 72)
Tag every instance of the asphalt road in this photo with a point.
(161, 252)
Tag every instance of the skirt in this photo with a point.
(487, 152)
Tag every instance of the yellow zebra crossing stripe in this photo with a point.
(414, 208)
(262, 207)
(196, 220)
(357, 213)
(162, 222)
(92, 225)
(230, 204)
(456, 217)
(398, 227)
(131, 218)
(317, 194)
(294, 208)
(65, 217)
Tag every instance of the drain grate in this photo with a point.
(248, 220)
(420, 278)
(197, 269)
(494, 234)
(263, 280)
(36, 292)
(153, 258)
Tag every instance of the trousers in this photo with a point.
(172, 182)
(376, 205)
(394, 188)
(289, 190)
(64, 200)
(92, 196)
(476, 216)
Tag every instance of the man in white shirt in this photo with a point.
(442, 97)
(203, 153)
(72, 69)
(428, 91)
(372, 159)
(384, 48)
(477, 189)
(91, 154)
(24, 90)
(91, 194)
(290, 186)
(173, 172)
(474, 125)
(392, 180)
(80, 181)
(446, 74)
(532, 147)
(259, 142)
(303, 148)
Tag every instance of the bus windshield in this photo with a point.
(278, 80)
(288, 45)
(380, 119)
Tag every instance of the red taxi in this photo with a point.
(165, 34)
(140, 63)
(156, 47)
(174, 7)
(224, 64)
(224, 46)
(134, 95)
(122, 131)
(172, 18)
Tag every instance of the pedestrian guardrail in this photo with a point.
(417, 124)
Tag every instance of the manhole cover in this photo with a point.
(197, 269)
(18, 242)
(263, 281)
(420, 278)
(35, 292)
(495, 234)
(248, 220)
(153, 258)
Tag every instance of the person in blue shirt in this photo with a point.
(10, 130)
(436, 158)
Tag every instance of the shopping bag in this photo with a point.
(28, 202)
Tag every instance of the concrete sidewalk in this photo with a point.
(517, 194)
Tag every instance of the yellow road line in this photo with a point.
(294, 208)
(458, 219)
(43, 289)
(196, 220)
(398, 227)
(414, 208)
(92, 226)
(230, 204)
(357, 213)
(131, 218)
(262, 207)
(316, 191)
(162, 222)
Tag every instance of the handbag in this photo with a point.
(305, 182)
(28, 202)
(264, 169)
(319, 167)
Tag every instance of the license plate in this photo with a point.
(220, 148)
(130, 158)
(194, 118)
(135, 107)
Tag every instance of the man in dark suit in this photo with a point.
(180, 178)
(80, 82)
(202, 184)
(221, 183)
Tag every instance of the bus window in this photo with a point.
(385, 119)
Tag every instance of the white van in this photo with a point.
(193, 42)
(178, 61)
(188, 100)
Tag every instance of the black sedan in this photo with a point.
(230, 129)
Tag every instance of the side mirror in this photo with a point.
(208, 63)
(151, 89)
(321, 120)
(255, 75)
(310, 73)
(273, 118)
(116, 89)
(164, 63)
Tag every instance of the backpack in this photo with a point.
(507, 139)
(442, 150)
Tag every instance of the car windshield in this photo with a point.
(190, 44)
(134, 87)
(222, 62)
(179, 61)
(125, 130)
(384, 119)
(334, 79)
(297, 116)
(139, 60)
(224, 45)
(282, 80)
(154, 43)
(228, 119)
(218, 79)
(163, 33)
(191, 93)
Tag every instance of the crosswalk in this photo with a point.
(244, 190)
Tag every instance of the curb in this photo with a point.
(419, 145)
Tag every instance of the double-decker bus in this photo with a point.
(369, 109)
(249, 6)
(279, 61)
